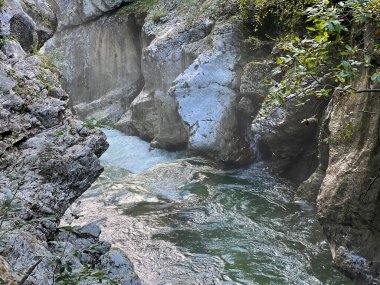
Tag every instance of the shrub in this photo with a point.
(137, 7)
(157, 16)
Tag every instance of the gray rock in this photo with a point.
(2, 56)
(91, 229)
(290, 142)
(45, 162)
(151, 69)
(121, 269)
(6, 83)
(190, 91)
(101, 72)
(23, 28)
(6, 273)
(208, 105)
(30, 22)
(348, 201)
(13, 49)
(74, 13)
(252, 80)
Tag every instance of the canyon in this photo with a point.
(180, 76)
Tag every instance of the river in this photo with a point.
(184, 221)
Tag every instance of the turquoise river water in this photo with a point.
(184, 221)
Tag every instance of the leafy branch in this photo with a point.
(337, 45)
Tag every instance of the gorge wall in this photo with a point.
(180, 76)
(166, 67)
(48, 158)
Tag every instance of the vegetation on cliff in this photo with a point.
(341, 39)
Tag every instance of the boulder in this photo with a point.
(30, 22)
(289, 135)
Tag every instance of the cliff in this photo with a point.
(48, 158)
(347, 183)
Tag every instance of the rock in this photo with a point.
(142, 98)
(291, 143)
(30, 22)
(208, 105)
(253, 83)
(348, 202)
(121, 269)
(142, 116)
(92, 230)
(354, 266)
(74, 13)
(101, 72)
(50, 115)
(309, 189)
(83, 248)
(247, 107)
(6, 83)
(2, 56)
(5, 273)
(13, 49)
(47, 160)
(190, 91)
(23, 28)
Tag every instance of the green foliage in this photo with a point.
(137, 7)
(88, 273)
(158, 16)
(92, 124)
(329, 57)
(47, 63)
(265, 14)
(253, 42)
(4, 39)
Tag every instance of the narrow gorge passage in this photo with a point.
(243, 142)
(183, 221)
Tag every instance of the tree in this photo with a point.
(341, 40)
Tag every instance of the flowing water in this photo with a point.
(184, 221)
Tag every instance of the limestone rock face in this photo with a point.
(74, 13)
(207, 98)
(291, 142)
(192, 74)
(348, 203)
(131, 74)
(30, 22)
(100, 64)
(48, 159)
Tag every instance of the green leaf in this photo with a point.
(376, 77)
